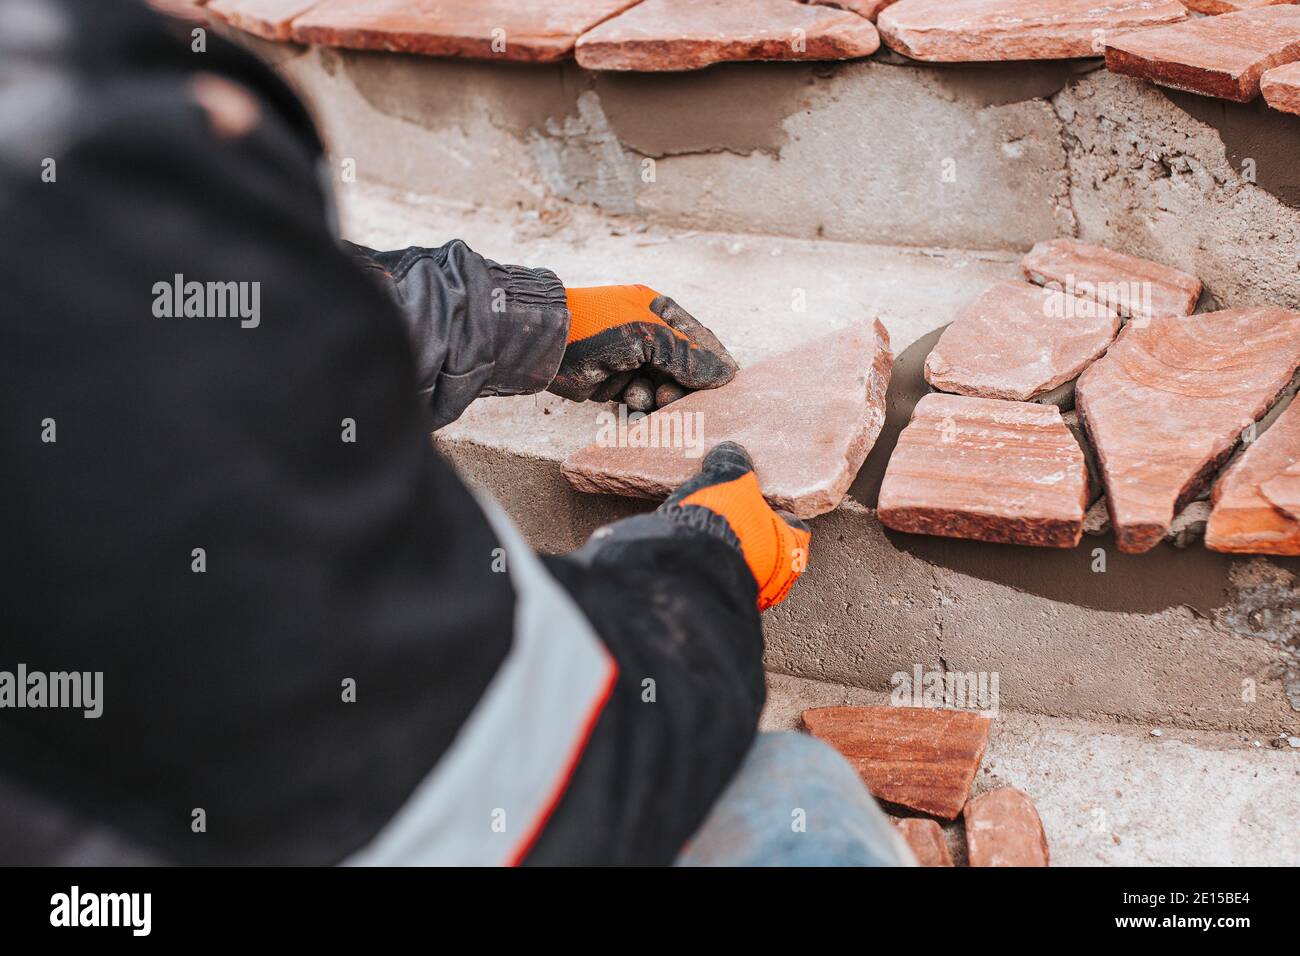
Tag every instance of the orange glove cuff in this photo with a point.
(775, 552)
(593, 310)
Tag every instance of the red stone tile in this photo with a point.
(966, 30)
(1255, 499)
(925, 839)
(1009, 472)
(1017, 341)
(1003, 829)
(1215, 7)
(1169, 402)
(1222, 56)
(271, 19)
(808, 417)
(1134, 287)
(921, 758)
(690, 34)
(1281, 87)
(539, 31)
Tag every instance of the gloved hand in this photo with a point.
(724, 499)
(628, 342)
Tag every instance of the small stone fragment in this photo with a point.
(691, 34)
(1018, 341)
(1166, 405)
(1097, 521)
(979, 468)
(925, 839)
(667, 393)
(639, 396)
(270, 19)
(922, 758)
(1216, 7)
(1223, 56)
(1003, 829)
(1281, 87)
(1189, 526)
(967, 30)
(1133, 287)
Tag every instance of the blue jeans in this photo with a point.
(795, 802)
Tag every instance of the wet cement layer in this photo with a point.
(1163, 578)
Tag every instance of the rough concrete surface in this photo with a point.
(1111, 795)
(1129, 642)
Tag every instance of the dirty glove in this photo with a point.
(724, 499)
(628, 342)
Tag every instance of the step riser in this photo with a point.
(990, 157)
(868, 610)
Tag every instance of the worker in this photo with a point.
(315, 644)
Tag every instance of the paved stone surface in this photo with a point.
(1169, 402)
(1133, 287)
(1254, 499)
(973, 30)
(1222, 56)
(271, 19)
(925, 838)
(1003, 829)
(1018, 341)
(689, 34)
(487, 29)
(921, 758)
(808, 418)
(1008, 472)
(1281, 87)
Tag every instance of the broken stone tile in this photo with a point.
(690, 34)
(971, 30)
(1222, 56)
(1281, 88)
(980, 468)
(1247, 517)
(1169, 402)
(922, 758)
(1018, 341)
(485, 29)
(864, 8)
(1003, 829)
(1133, 287)
(808, 418)
(271, 19)
(925, 839)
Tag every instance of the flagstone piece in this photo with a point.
(538, 32)
(1281, 87)
(979, 30)
(271, 19)
(922, 758)
(808, 418)
(1169, 401)
(661, 35)
(1133, 287)
(1007, 472)
(1223, 56)
(1003, 829)
(925, 840)
(1215, 7)
(1257, 498)
(1018, 341)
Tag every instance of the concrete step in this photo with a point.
(1116, 795)
(1179, 638)
(882, 150)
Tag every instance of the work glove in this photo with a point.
(724, 499)
(629, 343)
